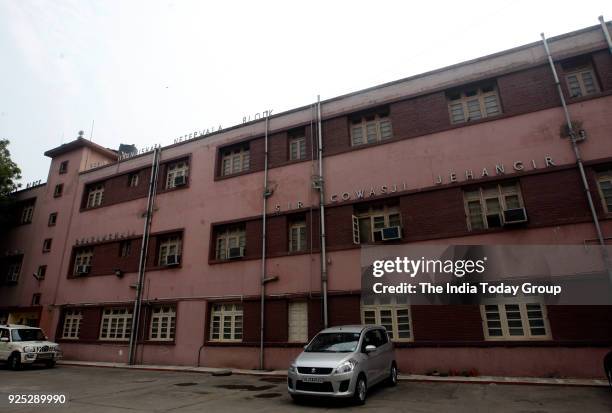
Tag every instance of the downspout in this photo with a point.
(266, 194)
(606, 33)
(585, 183)
(143, 255)
(322, 214)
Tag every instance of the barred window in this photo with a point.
(72, 324)
(226, 322)
(370, 129)
(163, 323)
(176, 170)
(95, 195)
(116, 324)
(297, 236)
(515, 320)
(473, 103)
(235, 160)
(230, 237)
(394, 317)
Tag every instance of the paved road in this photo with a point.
(93, 390)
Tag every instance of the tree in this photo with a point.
(9, 171)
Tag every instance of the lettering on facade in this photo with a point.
(124, 155)
(103, 238)
(257, 116)
(197, 134)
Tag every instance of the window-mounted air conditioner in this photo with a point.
(494, 221)
(515, 216)
(180, 180)
(83, 269)
(391, 233)
(172, 260)
(235, 252)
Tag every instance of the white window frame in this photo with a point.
(169, 246)
(229, 316)
(374, 215)
(125, 248)
(481, 97)
(95, 195)
(133, 180)
(371, 314)
(230, 237)
(27, 214)
(297, 317)
(607, 178)
(483, 193)
(363, 134)
(13, 271)
(83, 256)
(297, 233)
(175, 170)
(503, 319)
(163, 323)
(578, 74)
(117, 319)
(297, 148)
(72, 324)
(52, 219)
(47, 248)
(235, 160)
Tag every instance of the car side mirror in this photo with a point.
(370, 348)
(46, 338)
(306, 346)
(4, 339)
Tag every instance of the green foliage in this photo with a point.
(9, 171)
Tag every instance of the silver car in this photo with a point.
(343, 362)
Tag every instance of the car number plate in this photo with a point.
(44, 356)
(313, 379)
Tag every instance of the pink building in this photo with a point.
(440, 154)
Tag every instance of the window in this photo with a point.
(163, 323)
(36, 298)
(230, 241)
(116, 324)
(47, 244)
(485, 206)
(95, 195)
(297, 236)
(82, 260)
(297, 148)
(72, 324)
(395, 318)
(511, 321)
(59, 189)
(177, 174)
(27, 213)
(235, 160)
(369, 222)
(13, 270)
(125, 249)
(370, 129)
(133, 180)
(473, 103)
(169, 247)
(581, 82)
(41, 272)
(298, 321)
(52, 219)
(604, 181)
(63, 167)
(226, 322)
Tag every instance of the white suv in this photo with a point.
(26, 345)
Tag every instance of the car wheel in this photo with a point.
(361, 390)
(14, 362)
(392, 380)
(50, 364)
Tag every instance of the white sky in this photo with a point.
(150, 71)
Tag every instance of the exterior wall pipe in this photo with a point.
(266, 194)
(322, 214)
(585, 182)
(606, 33)
(143, 255)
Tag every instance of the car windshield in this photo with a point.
(334, 343)
(28, 334)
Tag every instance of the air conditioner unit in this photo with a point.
(235, 252)
(83, 269)
(391, 233)
(494, 221)
(172, 260)
(515, 216)
(180, 180)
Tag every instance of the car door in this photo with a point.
(369, 339)
(4, 345)
(386, 356)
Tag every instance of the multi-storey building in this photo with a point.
(441, 155)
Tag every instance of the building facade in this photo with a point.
(440, 155)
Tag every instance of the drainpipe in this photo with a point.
(322, 214)
(606, 33)
(143, 255)
(585, 183)
(266, 195)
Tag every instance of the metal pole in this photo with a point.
(585, 183)
(606, 33)
(143, 255)
(266, 194)
(322, 214)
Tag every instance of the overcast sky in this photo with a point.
(150, 71)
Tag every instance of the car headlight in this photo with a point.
(55, 348)
(292, 368)
(29, 349)
(346, 367)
